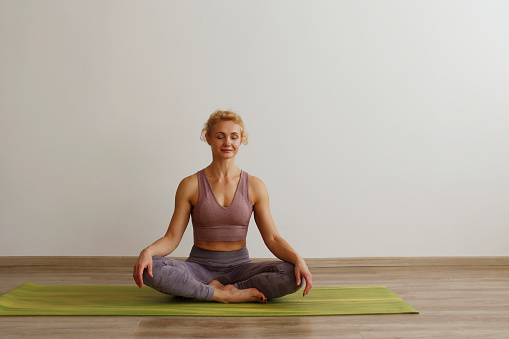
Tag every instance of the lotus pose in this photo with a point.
(220, 200)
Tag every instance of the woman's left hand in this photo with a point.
(302, 272)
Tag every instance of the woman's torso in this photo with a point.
(223, 193)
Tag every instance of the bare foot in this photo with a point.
(216, 284)
(229, 294)
(249, 295)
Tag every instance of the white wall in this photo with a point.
(379, 127)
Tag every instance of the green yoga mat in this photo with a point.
(32, 299)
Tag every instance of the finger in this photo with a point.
(308, 288)
(135, 275)
(150, 270)
(140, 278)
(309, 285)
(297, 277)
(307, 279)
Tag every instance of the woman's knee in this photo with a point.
(159, 271)
(284, 282)
(171, 276)
(288, 270)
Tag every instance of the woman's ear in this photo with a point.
(207, 137)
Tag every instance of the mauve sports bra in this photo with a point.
(214, 222)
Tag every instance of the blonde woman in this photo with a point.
(220, 200)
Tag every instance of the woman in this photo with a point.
(220, 199)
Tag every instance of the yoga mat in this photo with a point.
(32, 299)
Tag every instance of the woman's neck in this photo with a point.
(223, 169)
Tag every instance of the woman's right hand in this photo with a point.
(144, 261)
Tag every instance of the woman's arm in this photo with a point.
(173, 236)
(274, 242)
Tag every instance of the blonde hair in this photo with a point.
(223, 116)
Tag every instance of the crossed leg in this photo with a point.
(188, 280)
(273, 279)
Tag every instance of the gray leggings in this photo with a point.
(190, 278)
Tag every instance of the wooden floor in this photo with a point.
(457, 298)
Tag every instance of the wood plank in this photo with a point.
(128, 261)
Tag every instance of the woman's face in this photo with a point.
(225, 139)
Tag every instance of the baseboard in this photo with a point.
(408, 261)
(62, 261)
(128, 261)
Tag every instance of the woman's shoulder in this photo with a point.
(193, 178)
(189, 183)
(188, 189)
(255, 181)
(257, 187)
